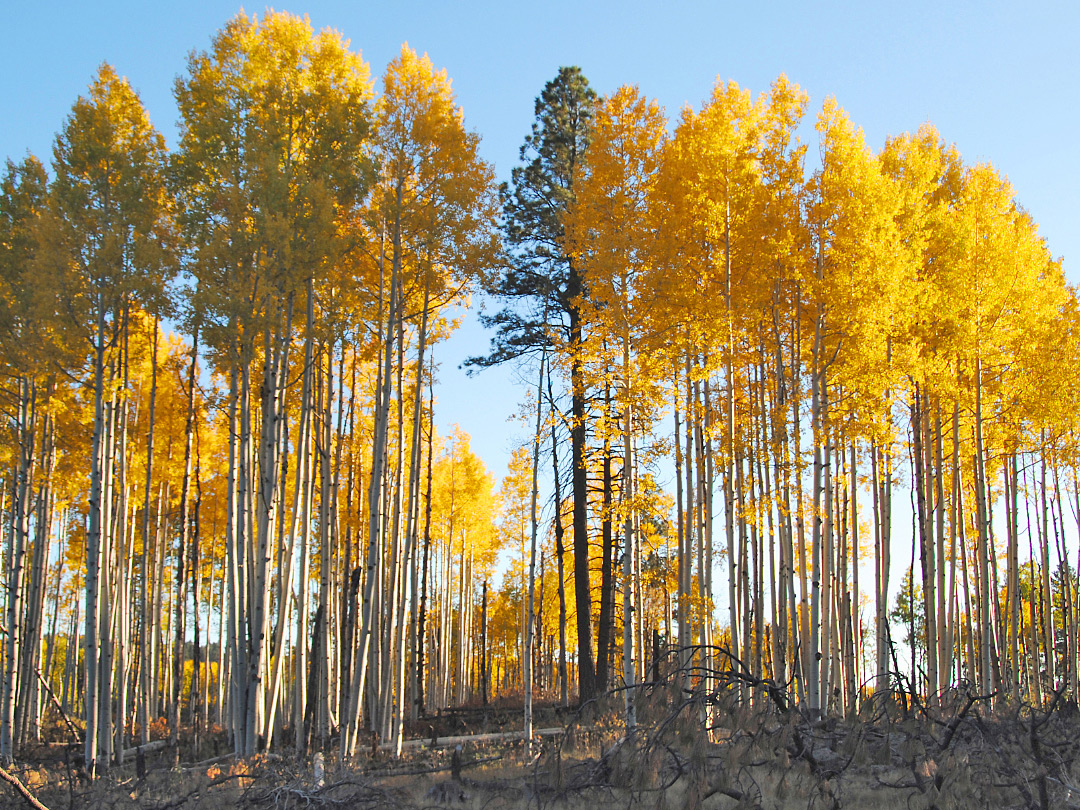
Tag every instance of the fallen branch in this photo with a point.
(22, 790)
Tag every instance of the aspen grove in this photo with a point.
(809, 421)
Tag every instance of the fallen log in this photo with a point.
(149, 748)
(463, 739)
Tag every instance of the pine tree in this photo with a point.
(544, 287)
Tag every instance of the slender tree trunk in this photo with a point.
(145, 619)
(368, 625)
(986, 630)
(527, 659)
(412, 524)
(1047, 595)
(93, 691)
(560, 552)
(629, 604)
(604, 630)
(19, 539)
(944, 663)
(819, 430)
(182, 557)
(421, 632)
(683, 595)
(924, 486)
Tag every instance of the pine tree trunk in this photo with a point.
(587, 686)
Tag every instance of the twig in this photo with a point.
(954, 724)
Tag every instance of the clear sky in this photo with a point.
(999, 79)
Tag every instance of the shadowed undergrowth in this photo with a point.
(728, 740)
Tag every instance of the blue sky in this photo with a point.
(999, 81)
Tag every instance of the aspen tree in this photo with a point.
(781, 157)
(712, 177)
(435, 210)
(854, 238)
(23, 203)
(851, 217)
(143, 708)
(273, 123)
(999, 244)
(109, 203)
(421, 646)
(926, 174)
(183, 538)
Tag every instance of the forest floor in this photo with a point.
(738, 746)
